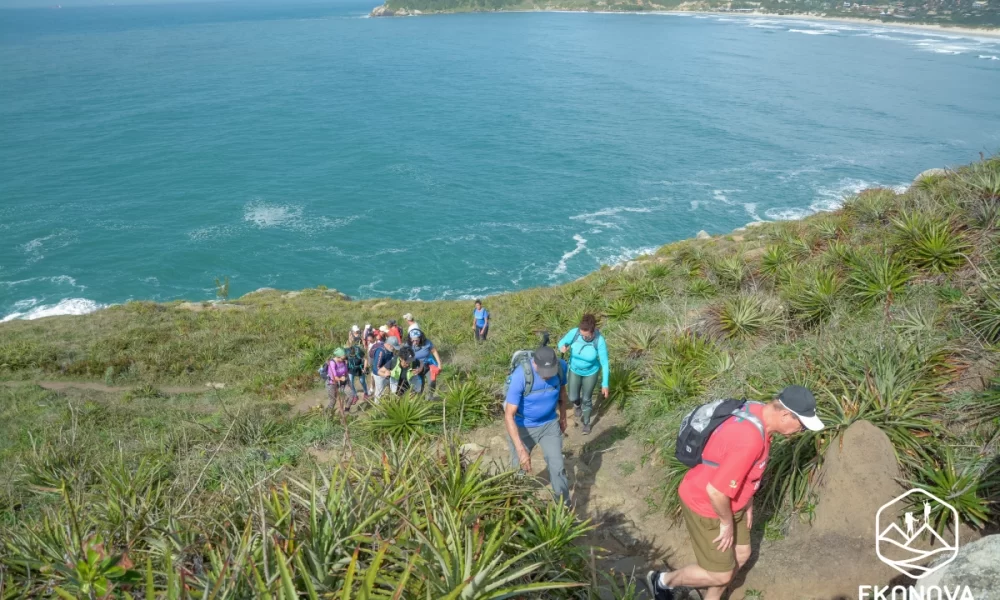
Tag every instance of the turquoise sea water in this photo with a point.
(147, 150)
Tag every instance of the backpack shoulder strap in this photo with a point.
(529, 377)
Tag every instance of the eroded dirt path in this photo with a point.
(60, 386)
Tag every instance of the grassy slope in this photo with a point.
(889, 309)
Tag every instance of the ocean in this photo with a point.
(147, 150)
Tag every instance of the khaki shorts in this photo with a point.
(703, 530)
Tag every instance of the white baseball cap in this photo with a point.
(355, 329)
(408, 317)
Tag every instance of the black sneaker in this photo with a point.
(586, 429)
(657, 591)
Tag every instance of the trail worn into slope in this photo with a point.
(59, 386)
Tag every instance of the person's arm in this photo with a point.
(722, 505)
(602, 355)
(384, 371)
(486, 319)
(515, 396)
(567, 340)
(437, 357)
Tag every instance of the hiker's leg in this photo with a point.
(417, 384)
(331, 396)
(714, 569)
(380, 384)
(482, 335)
(587, 395)
(550, 438)
(574, 383)
(529, 443)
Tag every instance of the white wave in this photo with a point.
(720, 196)
(787, 214)
(595, 218)
(265, 215)
(57, 279)
(617, 256)
(765, 26)
(581, 244)
(69, 306)
(813, 31)
(751, 208)
(989, 57)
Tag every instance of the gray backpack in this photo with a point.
(699, 424)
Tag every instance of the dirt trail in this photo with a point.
(609, 485)
(59, 386)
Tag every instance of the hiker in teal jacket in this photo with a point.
(588, 355)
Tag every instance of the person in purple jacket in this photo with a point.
(338, 387)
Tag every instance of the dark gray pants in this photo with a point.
(549, 437)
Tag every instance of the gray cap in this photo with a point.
(392, 342)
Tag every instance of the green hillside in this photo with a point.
(153, 484)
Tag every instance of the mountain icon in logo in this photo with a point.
(906, 540)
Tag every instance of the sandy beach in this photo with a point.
(964, 31)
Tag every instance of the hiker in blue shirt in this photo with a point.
(588, 355)
(531, 417)
(480, 321)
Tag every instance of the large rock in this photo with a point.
(977, 566)
(382, 11)
(703, 235)
(858, 476)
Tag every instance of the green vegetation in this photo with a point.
(888, 309)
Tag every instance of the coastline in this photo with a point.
(963, 31)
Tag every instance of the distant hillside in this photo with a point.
(416, 7)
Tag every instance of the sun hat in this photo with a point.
(383, 329)
(546, 362)
(408, 317)
(801, 403)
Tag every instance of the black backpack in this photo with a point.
(355, 360)
(699, 424)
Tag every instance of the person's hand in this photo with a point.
(604, 392)
(724, 541)
(563, 349)
(525, 459)
(562, 424)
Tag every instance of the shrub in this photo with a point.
(967, 483)
(619, 309)
(701, 288)
(468, 405)
(401, 417)
(731, 271)
(871, 206)
(877, 277)
(814, 300)
(930, 243)
(775, 256)
(744, 316)
(624, 382)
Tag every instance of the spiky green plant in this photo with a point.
(814, 300)
(731, 271)
(983, 313)
(965, 482)
(676, 384)
(877, 277)
(871, 206)
(745, 316)
(400, 417)
(624, 382)
(929, 242)
(619, 309)
(701, 288)
(658, 271)
(467, 405)
(775, 256)
(639, 338)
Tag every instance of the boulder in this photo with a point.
(930, 173)
(859, 475)
(471, 448)
(977, 566)
(381, 11)
(703, 235)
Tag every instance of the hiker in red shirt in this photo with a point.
(717, 495)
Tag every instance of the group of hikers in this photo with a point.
(725, 442)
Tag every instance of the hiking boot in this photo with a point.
(577, 410)
(657, 591)
(586, 429)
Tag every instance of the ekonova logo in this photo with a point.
(908, 542)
